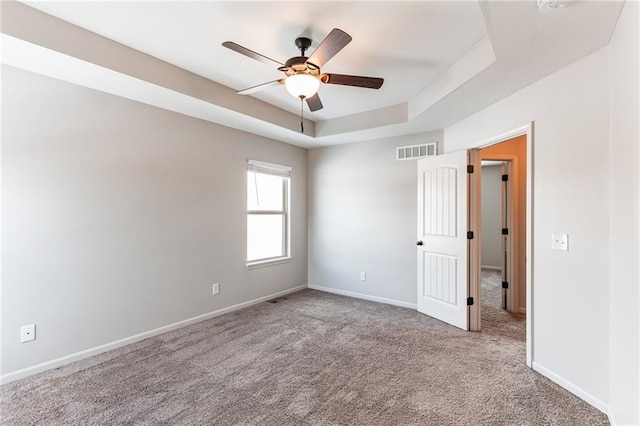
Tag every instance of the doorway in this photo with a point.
(503, 239)
(495, 253)
(501, 314)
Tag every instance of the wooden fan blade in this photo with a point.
(314, 103)
(260, 87)
(332, 44)
(352, 80)
(250, 53)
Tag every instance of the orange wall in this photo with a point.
(518, 147)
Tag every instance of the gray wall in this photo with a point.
(362, 218)
(491, 216)
(118, 217)
(624, 212)
(570, 109)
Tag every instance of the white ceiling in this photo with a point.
(432, 35)
(441, 60)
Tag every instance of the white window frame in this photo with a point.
(284, 172)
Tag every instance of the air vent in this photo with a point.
(414, 152)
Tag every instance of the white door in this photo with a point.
(442, 238)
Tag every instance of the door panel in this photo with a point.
(441, 272)
(440, 216)
(442, 226)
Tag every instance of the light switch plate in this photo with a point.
(560, 242)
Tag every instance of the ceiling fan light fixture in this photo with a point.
(302, 86)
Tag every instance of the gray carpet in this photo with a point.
(497, 321)
(311, 358)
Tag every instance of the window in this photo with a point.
(267, 213)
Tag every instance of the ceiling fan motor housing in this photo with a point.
(299, 64)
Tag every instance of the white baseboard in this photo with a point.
(580, 393)
(522, 310)
(363, 296)
(491, 268)
(58, 362)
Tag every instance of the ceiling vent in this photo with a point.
(414, 152)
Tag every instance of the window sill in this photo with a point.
(264, 263)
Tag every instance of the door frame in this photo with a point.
(527, 130)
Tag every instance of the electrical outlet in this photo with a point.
(27, 333)
(560, 242)
(363, 276)
(216, 289)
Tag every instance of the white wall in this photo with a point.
(624, 257)
(570, 191)
(362, 218)
(118, 217)
(491, 216)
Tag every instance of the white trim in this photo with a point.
(268, 168)
(364, 296)
(491, 268)
(510, 134)
(529, 248)
(264, 263)
(268, 165)
(577, 391)
(491, 163)
(58, 362)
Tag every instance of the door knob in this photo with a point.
(419, 243)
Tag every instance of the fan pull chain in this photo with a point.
(301, 114)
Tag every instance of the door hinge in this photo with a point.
(469, 301)
(469, 235)
(505, 178)
(470, 168)
(505, 284)
(505, 231)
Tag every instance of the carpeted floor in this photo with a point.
(310, 359)
(495, 320)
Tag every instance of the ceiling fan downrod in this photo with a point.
(303, 43)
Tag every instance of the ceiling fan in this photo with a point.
(303, 74)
